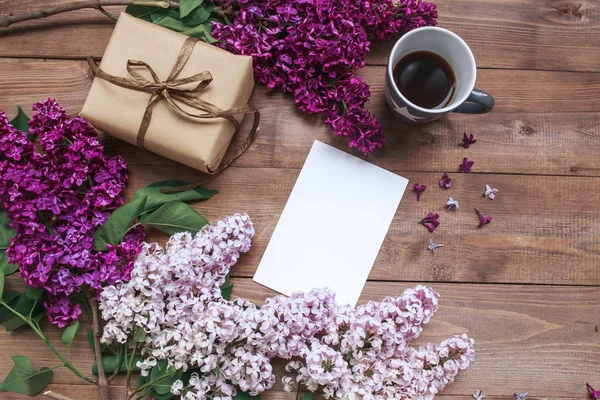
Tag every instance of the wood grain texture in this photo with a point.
(536, 34)
(549, 131)
(528, 338)
(534, 238)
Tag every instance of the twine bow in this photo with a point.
(175, 92)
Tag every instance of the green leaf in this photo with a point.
(155, 199)
(21, 303)
(8, 296)
(199, 15)
(69, 333)
(164, 396)
(20, 122)
(176, 216)
(33, 293)
(170, 22)
(14, 323)
(165, 376)
(6, 232)
(24, 379)
(139, 335)
(226, 288)
(118, 223)
(143, 12)
(309, 396)
(203, 32)
(245, 396)
(2, 281)
(187, 6)
(5, 266)
(165, 12)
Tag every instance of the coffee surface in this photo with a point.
(425, 79)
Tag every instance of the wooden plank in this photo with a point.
(534, 237)
(531, 338)
(512, 34)
(528, 133)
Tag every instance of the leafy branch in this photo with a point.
(97, 4)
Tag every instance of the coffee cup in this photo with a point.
(430, 73)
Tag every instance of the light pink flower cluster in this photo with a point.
(174, 296)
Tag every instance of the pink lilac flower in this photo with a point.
(174, 296)
(468, 140)
(430, 221)
(483, 220)
(311, 48)
(419, 189)
(445, 182)
(55, 199)
(466, 165)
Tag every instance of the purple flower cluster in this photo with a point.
(56, 195)
(311, 48)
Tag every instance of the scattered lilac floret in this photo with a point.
(466, 165)
(433, 246)
(595, 393)
(490, 193)
(419, 189)
(478, 395)
(430, 221)
(483, 220)
(445, 182)
(452, 204)
(468, 140)
(521, 396)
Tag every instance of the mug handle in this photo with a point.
(478, 102)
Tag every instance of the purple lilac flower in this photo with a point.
(311, 48)
(483, 220)
(595, 393)
(419, 189)
(431, 221)
(55, 199)
(466, 165)
(445, 182)
(468, 140)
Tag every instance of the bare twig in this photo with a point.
(102, 381)
(97, 4)
(56, 396)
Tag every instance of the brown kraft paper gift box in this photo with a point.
(118, 111)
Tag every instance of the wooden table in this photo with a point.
(526, 287)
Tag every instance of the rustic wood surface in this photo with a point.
(526, 287)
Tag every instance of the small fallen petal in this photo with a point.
(432, 246)
(445, 182)
(430, 221)
(490, 193)
(452, 204)
(466, 165)
(521, 396)
(595, 393)
(419, 189)
(468, 140)
(478, 395)
(483, 220)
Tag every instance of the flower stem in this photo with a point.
(102, 381)
(78, 5)
(39, 332)
(56, 396)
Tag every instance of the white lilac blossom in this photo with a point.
(174, 296)
(490, 193)
(452, 204)
(433, 246)
(478, 395)
(521, 396)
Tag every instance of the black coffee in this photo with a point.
(425, 79)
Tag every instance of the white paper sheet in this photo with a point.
(332, 226)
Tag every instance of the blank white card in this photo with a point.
(332, 226)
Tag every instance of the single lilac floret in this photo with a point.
(468, 140)
(483, 220)
(478, 395)
(452, 204)
(419, 189)
(430, 221)
(445, 182)
(521, 396)
(433, 246)
(466, 165)
(490, 193)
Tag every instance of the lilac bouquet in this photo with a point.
(200, 345)
(56, 196)
(311, 48)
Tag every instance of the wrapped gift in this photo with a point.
(170, 94)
